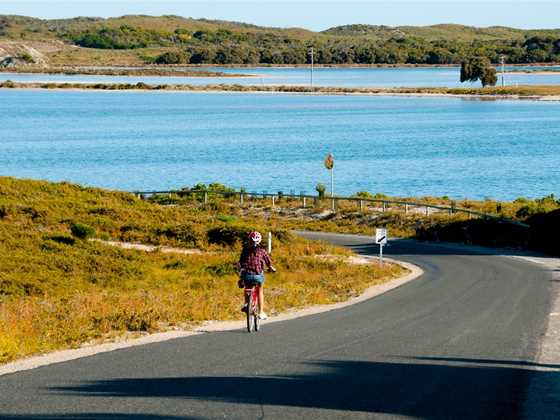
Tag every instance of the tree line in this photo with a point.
(231, 47)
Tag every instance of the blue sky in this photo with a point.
(314, 14)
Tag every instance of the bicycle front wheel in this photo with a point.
(256, 320)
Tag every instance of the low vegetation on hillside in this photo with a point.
(522, 223)
(62, 284)
(176, 40)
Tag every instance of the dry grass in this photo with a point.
(59, 291)
(77, 56)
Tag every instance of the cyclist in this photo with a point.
(252, 262)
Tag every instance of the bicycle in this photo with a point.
(252, 300)
(252, 290)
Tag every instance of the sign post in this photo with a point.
(269, 242)
(329, 164)
(381, 240)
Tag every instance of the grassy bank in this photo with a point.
(497, 92)
(539, 217)
(58, 289)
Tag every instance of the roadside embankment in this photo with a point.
(59, 290)
(522, 223)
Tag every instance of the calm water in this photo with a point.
(350, 77)
(395, 145)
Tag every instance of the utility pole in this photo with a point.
(333, 208)
(312, 64)
(502, 62)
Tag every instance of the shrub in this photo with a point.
(172, 57)
(222, 269)
(175, 265)
(3, 212)
(33, 213)
(223, 218)
(217, 187)
(320, 188)
(493, 233)
(364, 194)
(545, 230)
(187, 234)
(283, 235)
(132, 320)
(82, 231)
(62, 239)
(529, 210)
(26, 57)
(102, 211)
(227, 235)
(539, 206)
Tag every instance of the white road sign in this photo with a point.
(381, 236)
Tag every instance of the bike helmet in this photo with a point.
(255, 237)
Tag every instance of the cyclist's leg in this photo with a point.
(245, 294)
(261, 298)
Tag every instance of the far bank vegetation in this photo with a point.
(174, 40)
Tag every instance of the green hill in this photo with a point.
(445, 32)
(138, 39)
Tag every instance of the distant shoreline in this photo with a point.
(536, 92)
(122, 71)
(202, 70)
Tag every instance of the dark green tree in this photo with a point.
(173, 57)
(478, 68)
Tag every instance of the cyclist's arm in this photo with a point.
(268, 261)
(239, 265)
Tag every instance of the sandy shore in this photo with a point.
(525, 92)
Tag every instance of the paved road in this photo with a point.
(456, 343)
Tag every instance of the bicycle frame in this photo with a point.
(252, 300)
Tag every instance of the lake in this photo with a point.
(405, 146)
(348, 77)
